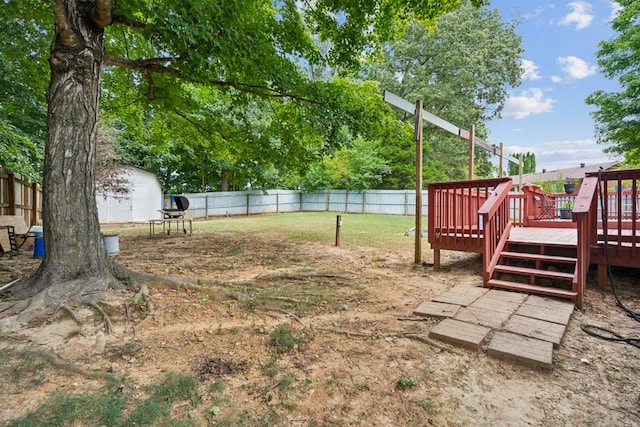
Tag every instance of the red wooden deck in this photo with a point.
(511, 230)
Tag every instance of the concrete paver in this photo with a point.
(530, 351)
(460, 333)
(535, 328)
(436, 309)
(483, 316)
(548, 309)
(461, 295)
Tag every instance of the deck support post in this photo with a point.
(603, 277)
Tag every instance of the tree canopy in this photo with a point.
(461, 70)
(618, 113)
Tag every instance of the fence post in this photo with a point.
(364, 200)
(11, 193)
(346, 202)
(34, 204)
(248, 196)
(328, 199)
(277, 202)
(300, 198)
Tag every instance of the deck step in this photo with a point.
(539, 257)
(534, 289)
(534, 272)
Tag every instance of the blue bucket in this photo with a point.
(38, 247)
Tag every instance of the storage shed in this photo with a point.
(141, 203)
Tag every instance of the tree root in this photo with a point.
(57, 363)
(71, 314)
(432, 343)
(293, 316)
(108, 326)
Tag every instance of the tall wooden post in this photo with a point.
(520, 170)
(472, 145)
(11, 193)
(418, 226)
(501, 174)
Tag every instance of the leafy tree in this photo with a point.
(618, 113)
(528, 163)
(23, 81)
(357, 167)
(461, 71)
(247, 48)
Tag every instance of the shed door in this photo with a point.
(141, 203)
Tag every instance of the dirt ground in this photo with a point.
(360, 359)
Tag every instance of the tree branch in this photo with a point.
(101, 13)
(157, 65)
(124, 20)
(136, 64)
(67, 36)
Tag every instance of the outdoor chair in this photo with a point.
(546, 206)
(14, 233)
(182, 204)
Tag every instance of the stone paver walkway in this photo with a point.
(508, 325)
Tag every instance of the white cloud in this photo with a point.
(530, 70)
(556, 79)
(615, 9)
(576, 68)
(537, 12)
(554, 155)
(581, 15)
(531, 101)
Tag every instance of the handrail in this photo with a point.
(496, 226)
(585, 214)
(454, 222)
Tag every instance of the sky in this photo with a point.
(547, 114)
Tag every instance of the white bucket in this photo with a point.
(112, 243)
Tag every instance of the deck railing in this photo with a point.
(495, 214)
(585, 214)
(454, 221)
(618, 200)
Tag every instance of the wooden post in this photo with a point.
(206, 206)
(472, 145)
(520, 168)
(248, 196)
(11, 193)
(418, 226)
(338, 225)
(501, 174)
(34, 204)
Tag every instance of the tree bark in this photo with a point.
(75, 264)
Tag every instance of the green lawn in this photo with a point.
(382, 231)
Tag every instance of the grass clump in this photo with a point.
(283, 339)
(405, 382)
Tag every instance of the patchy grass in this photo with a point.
(109, 406)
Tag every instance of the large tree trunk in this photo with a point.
(75, 264)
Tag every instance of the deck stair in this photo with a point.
(537, 268)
